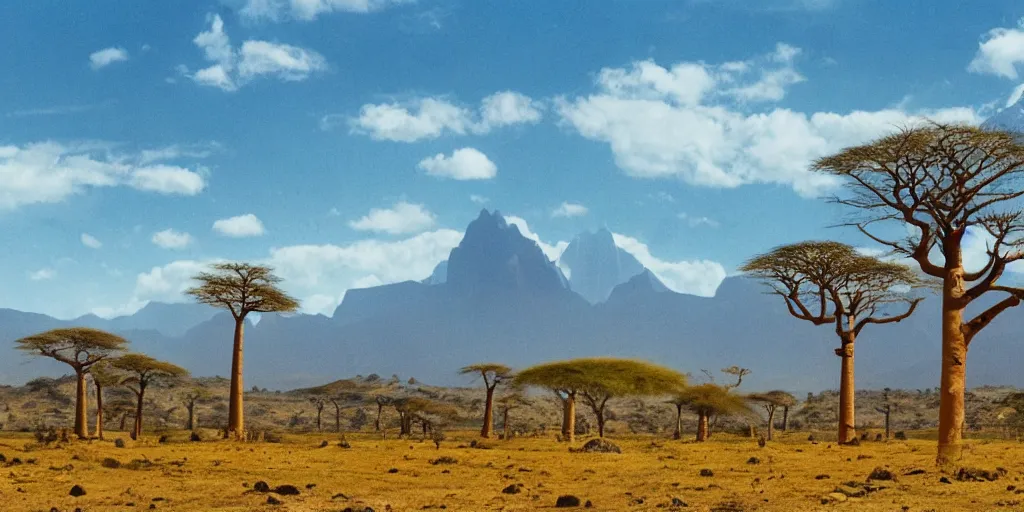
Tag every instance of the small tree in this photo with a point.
(319, 402)
(597, 380)
(422, 410)
(506, 404)
(830, 283)
(241, 288)
(190, 399)
(492, 374)
(142, 371)
(736, 371)
(103, 376)
(382, 401)
(705, 400)
(771, 401)
(937, 184)
(80, 348)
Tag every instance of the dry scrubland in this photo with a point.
(220, 475)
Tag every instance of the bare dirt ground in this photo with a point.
(652, 473)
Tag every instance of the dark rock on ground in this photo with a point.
(567, 501)
(880, 473)
(77, 491)
(513, 489)
(261, 486)
(600, 446)
(287, 490)
(707, 472)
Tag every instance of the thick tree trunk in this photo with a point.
(785, 418)
(319, 414)
(236, 420)
(600, 422)
(847, 388)
(99, 411)
(376, 422)
(954, 371)
(570, 413)
(485, 431)
(504, 424)
(81, 406)
(191, 423)
(771, 418)
(138, 413)
(702, 427)
(565, 418)
(678, 434)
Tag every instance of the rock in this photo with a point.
(588, 504)
(901, 436)
(444, 460)
(1011, 487)
(753, 460)
(676, 502)
(834, 497)
(286, 490)
(863, 456)
(261, 486)
(513, 489)
(707, 472)
(976, 475)
(915, 471)
(195, 437)
(310, 486)
(852, 442)
(339, 496)
(110, 463)
(822, 477)
(880, 473)
(811, 438)
(119, 443)
(944, 480)
(163, 439)
(850, 492)
(324, 444)
(878, 437)
(600, 446)
(393, 470)
(344, 444)
(727, 506)
(77, 491)
(273, 501)
(567, 501)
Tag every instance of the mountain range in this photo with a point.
(499, 298)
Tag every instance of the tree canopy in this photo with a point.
(492, 373)
(775, 398)
(143, 370)
(710, 399)
(79, 347)
(603, 377)
(242, 288)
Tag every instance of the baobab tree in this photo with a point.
(831, 283)
(80, 348)
(598, 380)
(241, 288)
(771, 401)
(705, 400)
(940, 184)
(493, 374)
(507, 403)
(103, 376)
(141, 371)
(190, 399)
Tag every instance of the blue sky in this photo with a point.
(349, 142)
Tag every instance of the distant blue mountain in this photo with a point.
(1010, 118)
(596, 265)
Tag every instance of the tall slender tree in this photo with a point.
(831, 283)
(141, 371)
(318, 402)
(103, 376)
(598, 380)
(771, 401)
(382, 401)
(241, 288)
(80, 348)
(493, 374)
(937, 186)
(508, 403)
(706, 400)
(192, 398)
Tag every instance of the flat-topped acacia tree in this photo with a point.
(831, 283)
(598, 380)
(493, 374)
(80, 348)
(140, 371)
(933, 184)
(103, 376)
(241, 288)
(771, 401)
(706, 400)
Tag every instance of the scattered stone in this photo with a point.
(339, 496)
(1011, 487)
(600, 446)
(119, 443)
(706, 472)
(880, 473)
(676, 502)
(444, 460)
(944, 480)
(158, 498)
(287, 490)
(273, 501)
(753, 460)
(163, 439)
(822, 477)
(864, 456)
(310, 486)
(901, 436)
(393, 470)
(852, 442)
(567, 501)
(513, 489)
(195, 437)
(261, 486)
(77, 491)
(811, 438)
(344, 444)
(915, 471)
(324, 444)
(833, 497)
(588, 504)
(727, 506)
(976, 475)
(850, 492)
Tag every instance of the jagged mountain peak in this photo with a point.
(1010, 118)
(596, 265)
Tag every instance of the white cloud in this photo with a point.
(567, 209)
(463, 164)
(90, 241)
(478, 199)
(700, 277)
(42, 274)
(107, 56)
(232, 69)
(308, 10)
(429, 118)
(552, 251)
(402, 218)
(694, 221)
(689, 122)
(1015, 96)
(1000, 52)
(171, 239)
(176, 152)
(49, 172)
(239, 226)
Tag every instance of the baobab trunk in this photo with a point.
(81, 419)
(702, 427)
(191, 424)
(954, 369)
(600, 424)
(785, 418)
(235, 416)
(485, 431)
(847, 387)
(99, 411)
(138, 415)
(570, 415)
(678, 434)
(565, 418)
(319, 414)
(504, 425)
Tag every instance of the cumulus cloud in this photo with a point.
(231, 69)
(90, 241)
(699, 277)
(402, 218)
(240, 226)
(567, 209)
(1000, 53)
(1015, 96)
(43, 274)
(698, 220)
(429, 118)
(171, 239)
(49, 172)
(478, 199)
(308, 10)
(107, 56)
(463, 164)
(691, 121)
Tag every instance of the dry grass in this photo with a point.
(213, 475)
